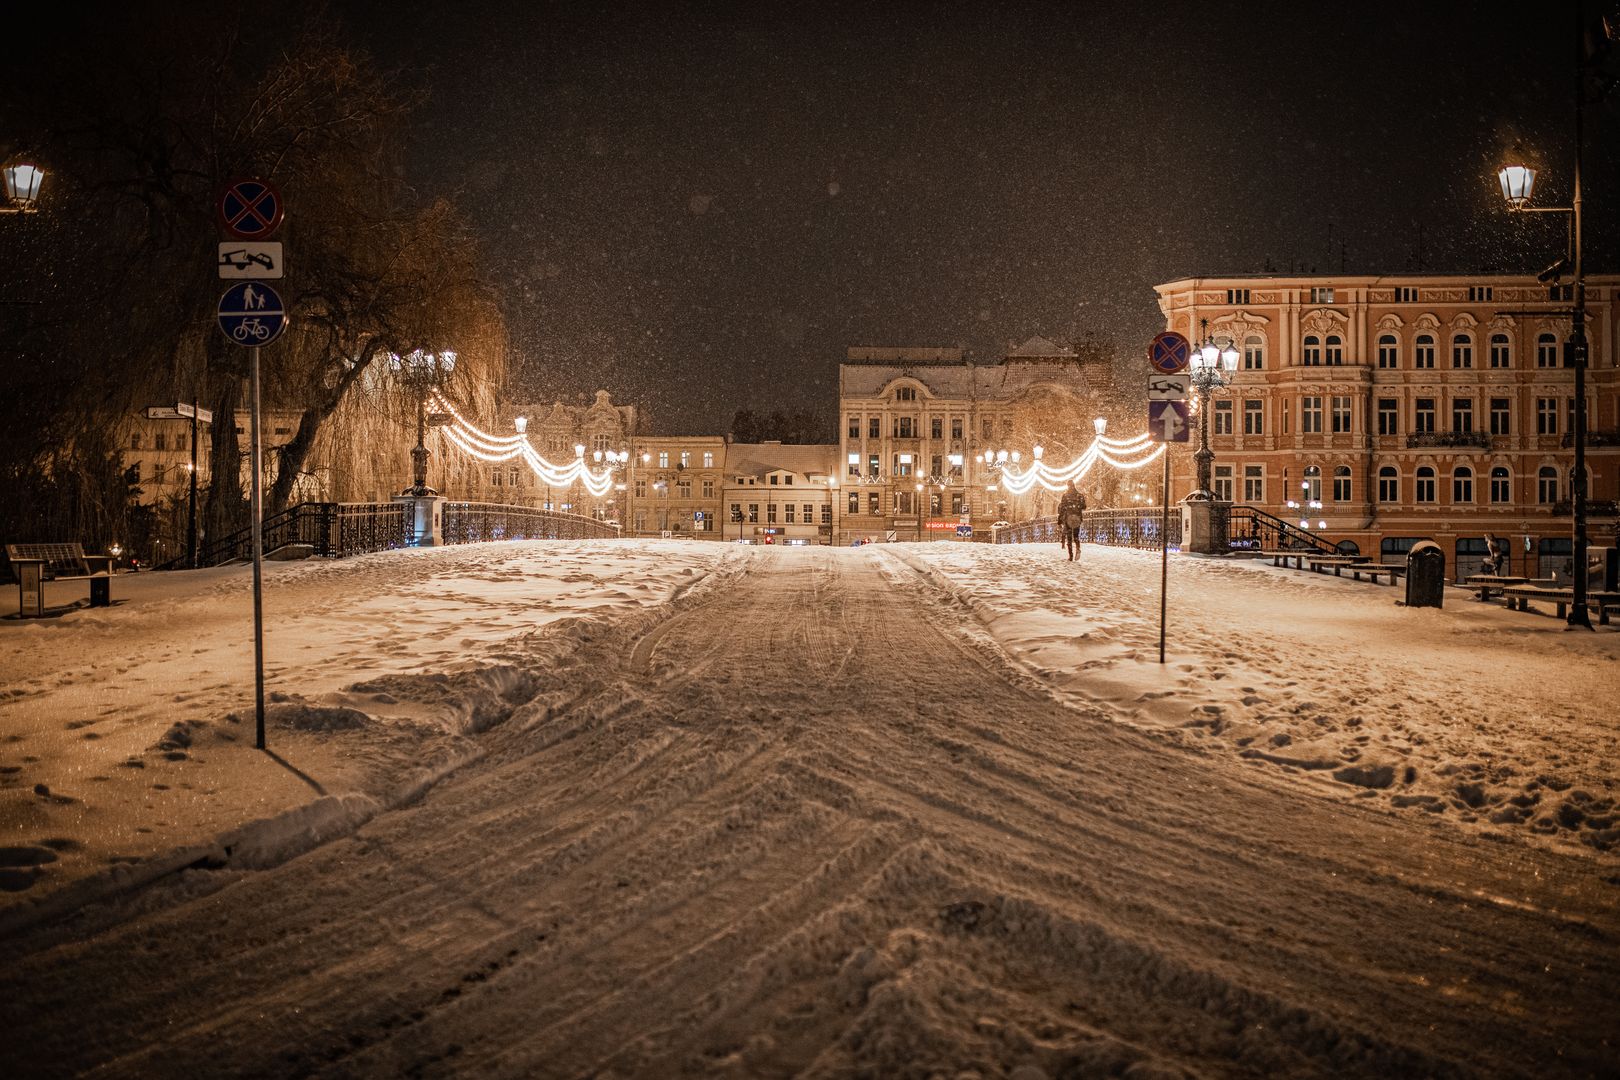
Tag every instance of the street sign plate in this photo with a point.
(1169, 352)
(964, 531)
(239, 259)
(697, 515)
(1167, 387)
(1167, 421)
(205, 416)
(251, 314)
(250, 209)
(163, 412)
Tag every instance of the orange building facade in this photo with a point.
(1387, 410)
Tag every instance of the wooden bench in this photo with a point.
(1280, 558)
(1376, 570)
(1518, 598)
(1492, 584)
(1320, 563)
(34, 563)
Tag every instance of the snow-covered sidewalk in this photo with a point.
(1500, 721)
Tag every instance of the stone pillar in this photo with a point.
(425, 516)
(1203, 529)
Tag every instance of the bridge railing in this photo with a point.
(473, 523)
(1116, 528)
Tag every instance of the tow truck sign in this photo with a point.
(242, 259)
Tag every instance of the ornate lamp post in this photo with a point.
(1518, 183)
(422, 372)
(22, 182)
(1212, 368)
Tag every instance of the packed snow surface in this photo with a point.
(684, 809)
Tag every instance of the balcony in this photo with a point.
(1470, 439)
(1603, 437)
(1595, 508)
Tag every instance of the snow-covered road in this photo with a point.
(808, 825)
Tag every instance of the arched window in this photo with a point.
(1500, 356)
(1462, 351)
(1335, 350)
(1546, 351)
(1423, 351)
(1313, 351)
(1547, 485)
(1341, 483)
(1425, 484)
(1389, 351)
(1389, 484)
(1254, 353)
(1310, 488)
(1462, 484)
(1501, 485)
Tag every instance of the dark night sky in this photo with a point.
(700, 207)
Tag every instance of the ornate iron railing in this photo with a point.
(472, 523)
(1595, 508)
(361, 527)
(1599, 437)
(1249, 527)
(1116, 528)
(1479, 439)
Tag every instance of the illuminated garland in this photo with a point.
(1121, 454)
(497, 448)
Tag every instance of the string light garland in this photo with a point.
(1123, 454)
(499, 448)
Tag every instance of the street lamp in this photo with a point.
(1518, 184)
(422, 372)
(1212, 367)
(22, 182)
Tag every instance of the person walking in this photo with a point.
(1071, 515)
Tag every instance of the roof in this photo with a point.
(810, 460)
(996, 382)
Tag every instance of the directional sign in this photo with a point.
(1167, 421)
(163, 412)
(241, 259)
(1169, 353)
(965, 531)
(251, 314)
(205, 416)
(1167, 387)
(250, 209)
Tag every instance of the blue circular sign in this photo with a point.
(1169, 352)
(250, 209)
(251, 313)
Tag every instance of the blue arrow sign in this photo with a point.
(1167, 421)
(252, 314)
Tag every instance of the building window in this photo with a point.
(1334, 355)
(1501, 485)
(854, 464)
(1223, 483)
(708, 459)
(956, 428)
(1253, 422)
(683, 489)
(1546, 416)
(905, 393)
(1341, 415)
(1423, 416)
(1341, 483)
(874, 503)
(1310, 416)
(791, 513)
(826, 512)
(1462, 484)
(753, 513)
(1389, 351)
(1254, 353)
(1237, 296)
(663, 459)
(1322, 295)
(770, 513)
(772, 479)
(496, 475)
(1223, 418)
(988, 429)
(1501, 416)
(1389, 484)
(1423, 351)
(1311, 488)
(905, 427)
(902, 502)
(1478, 293)
(686, 458)
(854, 502)
(160, 441)
(1389, 422)
(1425, 484)
(708, 489)
(935, 503)
(1312, 354)
(1500, 356)
(1462, 351)
(936, 466)
(854, 427)
(1254, 483)
(936, 427)
(1462, 414)
(1406, 294)
(641, 489)
(874, 427)
(1547, 485)
(902, 465)
(1546, 351)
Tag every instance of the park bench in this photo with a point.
(34, 563)
(1519, 597)
(1338, 563)
(1281, 557)
(1376, 570)
(1490, 585)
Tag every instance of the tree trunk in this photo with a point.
(227, 508)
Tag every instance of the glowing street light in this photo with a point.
(22, 182)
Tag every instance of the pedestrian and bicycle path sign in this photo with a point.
(252, 313)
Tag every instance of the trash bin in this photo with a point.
(1425, 575)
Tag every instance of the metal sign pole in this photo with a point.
(258, 553)
(1164, 548)
(191, 526)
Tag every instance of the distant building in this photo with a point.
(914, 422)
(674, 486)
(781, 493)
(1409, 407)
